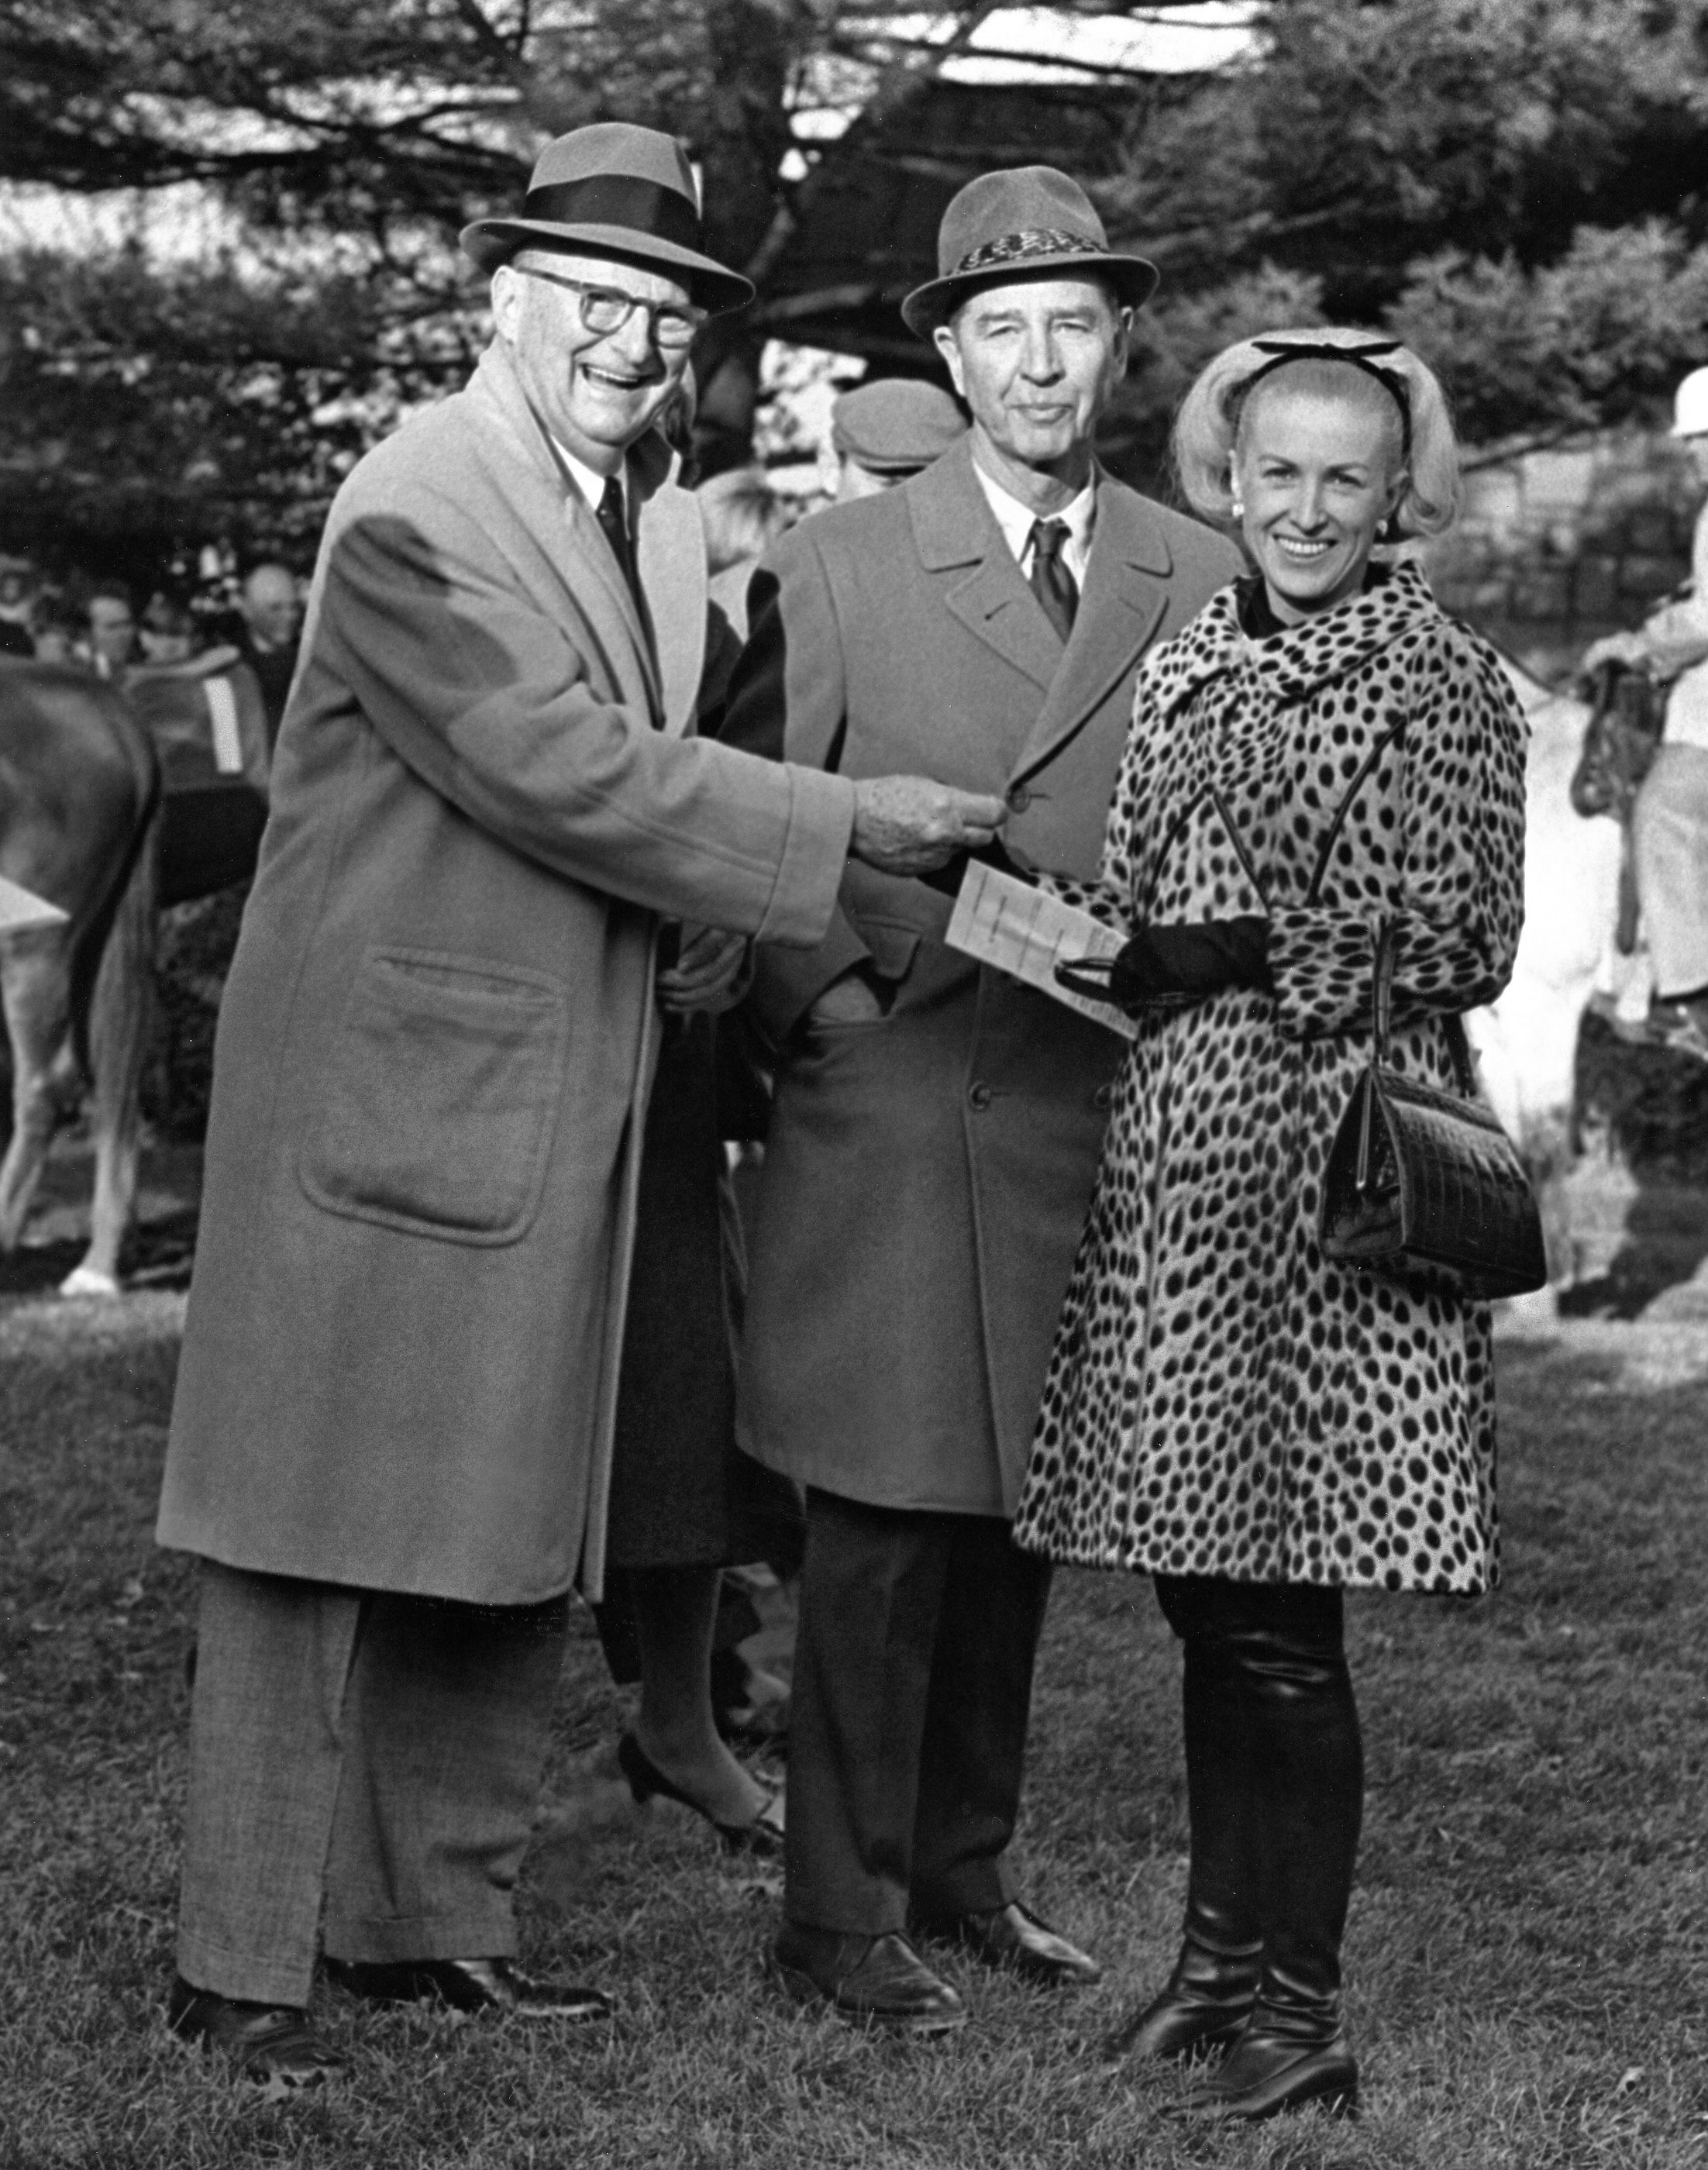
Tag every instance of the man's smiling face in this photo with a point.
(597, 392)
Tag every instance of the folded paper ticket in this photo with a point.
(1027, 933)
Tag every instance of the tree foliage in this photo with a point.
(1514, 184)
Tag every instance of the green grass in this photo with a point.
(1527, 1948)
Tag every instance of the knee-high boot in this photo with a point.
(1307, 1772)
(1208, 1998)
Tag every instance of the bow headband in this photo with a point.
(1281, 351)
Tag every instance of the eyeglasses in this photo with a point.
(607, 309)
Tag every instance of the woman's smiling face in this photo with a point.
(1317, 470)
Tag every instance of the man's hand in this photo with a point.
(905, 825)
(709, 973)
(850, 999)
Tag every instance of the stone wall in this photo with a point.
(1556, 547)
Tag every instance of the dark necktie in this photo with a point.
(612, 517)
(1051, 581)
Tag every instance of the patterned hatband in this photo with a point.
(1030, 240)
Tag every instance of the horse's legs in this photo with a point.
(120, 1012)
(33, 991)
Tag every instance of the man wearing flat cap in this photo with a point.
(985, 621)
(391, 1440)
(883, 433)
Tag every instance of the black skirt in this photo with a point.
(682, 1493)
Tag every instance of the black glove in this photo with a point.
(1172, 967)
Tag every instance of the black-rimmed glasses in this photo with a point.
(607, 309)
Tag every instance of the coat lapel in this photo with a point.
(1126, 592)
(671, 548)
(587, 566)
(953, 528)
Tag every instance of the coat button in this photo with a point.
(979, 1096)
(1019, 798)
(1104, 1096)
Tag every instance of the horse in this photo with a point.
(113, 801)
(79, 787)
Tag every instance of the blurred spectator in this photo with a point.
(167, 631)
(882, 433)
(56, 628)
(272, 614)
(743, 516)
(18, 583)
(110, 616)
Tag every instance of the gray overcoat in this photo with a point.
(927, 1175)
(434, 1048)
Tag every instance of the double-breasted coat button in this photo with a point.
(1104, 1096)
(1019, 798)
(979, 1096)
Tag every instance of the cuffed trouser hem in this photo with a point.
(471, 1936)
(979, 1888)
(246, 1976)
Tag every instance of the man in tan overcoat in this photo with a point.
(392, 1439)
(937, 1124)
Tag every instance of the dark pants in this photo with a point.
(912, 1689)
(1274, 1769)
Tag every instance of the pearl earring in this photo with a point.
(1238, 509)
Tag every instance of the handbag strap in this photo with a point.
(1382, 1015)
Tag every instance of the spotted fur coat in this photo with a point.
(1221, 1400)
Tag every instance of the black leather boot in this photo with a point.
(1208, 1998)
(1307, 1773)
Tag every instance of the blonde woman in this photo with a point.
(1320, 754)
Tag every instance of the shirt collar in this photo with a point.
(591, 484)
(1016, 519)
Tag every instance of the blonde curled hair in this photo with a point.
(1206, 430)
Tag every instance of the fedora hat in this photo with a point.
(614, 189)
(1023, 222)
(896, 425)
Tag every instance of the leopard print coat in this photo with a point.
(1221, 1400)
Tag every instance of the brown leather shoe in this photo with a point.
(273, 2045)
(1013, 1937)
(880, 1981)
(472, 1986)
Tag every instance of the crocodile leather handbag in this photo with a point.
(1423, 1182)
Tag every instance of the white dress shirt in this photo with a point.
(1016, 519)
(590, 484)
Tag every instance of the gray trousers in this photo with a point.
(907, 1724)
(382, 1752)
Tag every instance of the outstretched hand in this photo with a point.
(906, 825)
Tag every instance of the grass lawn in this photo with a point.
(1527, 1949)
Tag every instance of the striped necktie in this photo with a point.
(1051, 581)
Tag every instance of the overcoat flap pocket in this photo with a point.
(440, 1098)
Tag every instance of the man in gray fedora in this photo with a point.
(985, 620)
(391, 1440)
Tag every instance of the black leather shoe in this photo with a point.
(273, 2045)
(881, 1981)
(762, 1838)
(471, 1985)
(1013, 1937)
(1203, 2009)
(1270, 2068)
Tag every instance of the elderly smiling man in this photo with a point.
(984, 621)
(391, 1440)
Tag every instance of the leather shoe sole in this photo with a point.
(1013, 1938)
(468, 1986)
(876, 1981)
(273, 2046)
